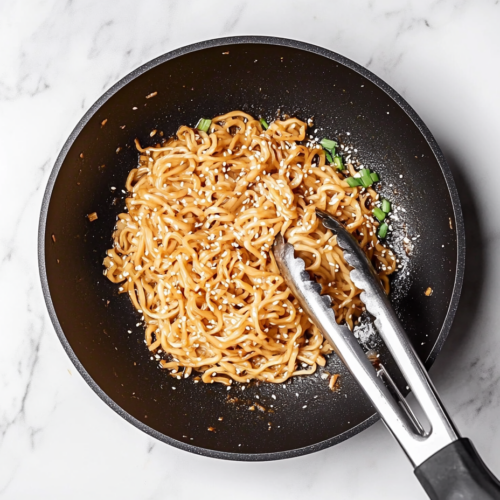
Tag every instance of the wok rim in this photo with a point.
(269, 40)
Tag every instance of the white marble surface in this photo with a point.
(58, 440)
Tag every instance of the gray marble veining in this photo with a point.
(57, 439)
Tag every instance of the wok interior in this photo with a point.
(262, 80)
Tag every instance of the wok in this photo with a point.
(266, 77)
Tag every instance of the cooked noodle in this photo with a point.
(194, 253)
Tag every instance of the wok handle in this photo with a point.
(457, 472)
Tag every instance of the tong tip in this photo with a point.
(329, 222)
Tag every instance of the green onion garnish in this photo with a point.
(386, 206)
(338, 163)
(328, 144)
(204, 124)
(382, 230)
(375, 177)
(379, 214)
(264, 124)
(366, 180)
(353, 181)
(328, 157)
(364, 171)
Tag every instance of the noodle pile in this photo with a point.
(193, 250)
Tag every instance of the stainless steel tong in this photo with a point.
(447, 466)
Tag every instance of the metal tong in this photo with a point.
(447, 466)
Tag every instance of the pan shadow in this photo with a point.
(455, 348)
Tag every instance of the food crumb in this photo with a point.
(333, 381)
(104, 122)
(221, 419)
(252, 408)
(152, 133)
(211, 429)
(153, 94)
(428, 292)
(451, 223)
(92, 217)
(54, 238)
(81, 155)
(225, 53)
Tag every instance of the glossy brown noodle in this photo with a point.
(193, 249)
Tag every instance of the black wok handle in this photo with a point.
(457, 473)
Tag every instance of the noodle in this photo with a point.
(193, 250)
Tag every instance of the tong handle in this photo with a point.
(457, 472)
(442, 431)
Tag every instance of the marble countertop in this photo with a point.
(58, 440)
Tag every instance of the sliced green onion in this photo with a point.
(364, 171)
(328, 144)
(386, 206)
(379, 214)
(338, 163)
(204, 124)
(264, 123)
(375, 177)
(382, 230)
(328, 157)
(353, 181)
(366, 180)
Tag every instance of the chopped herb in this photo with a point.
(364, 171)
(204, 124)
(375, 177)
(329, 145)
(386, 206)
(338, 163)
(382, 230)
(366, 179)
(264, 124)
(353, 181)
(379, 214)
(328, 157)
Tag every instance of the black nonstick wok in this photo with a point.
(266, 77)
